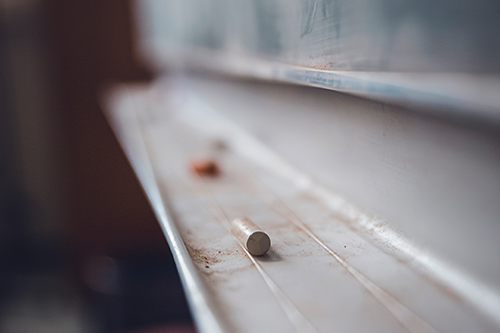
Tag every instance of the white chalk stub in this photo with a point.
(256, 241)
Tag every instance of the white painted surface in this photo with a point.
(332, 266)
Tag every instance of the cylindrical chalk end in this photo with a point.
(256, 241)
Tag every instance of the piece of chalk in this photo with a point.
(256, 241)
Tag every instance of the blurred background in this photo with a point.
(80, 249)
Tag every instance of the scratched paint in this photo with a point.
(363, 35)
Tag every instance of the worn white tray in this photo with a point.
(331, 268)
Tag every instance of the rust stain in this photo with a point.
(207, 168)
(203, 255)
